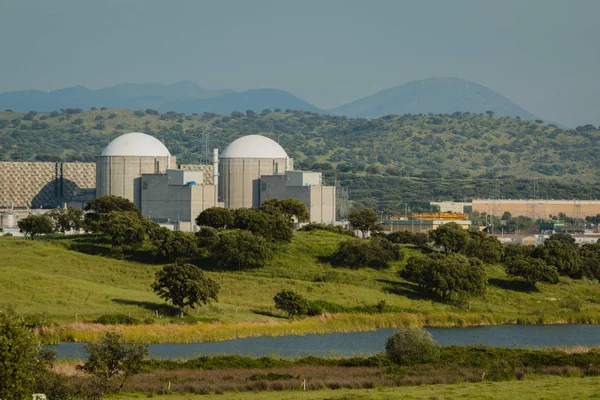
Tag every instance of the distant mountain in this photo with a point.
(255, 100)
(127, 95)
(434, 95)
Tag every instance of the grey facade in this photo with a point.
(319, 199)
(163, 200)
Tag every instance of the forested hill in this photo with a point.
(384, 162)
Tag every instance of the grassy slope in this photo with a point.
(45, 278)
(534, 387)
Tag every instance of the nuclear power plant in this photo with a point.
(140, 168)
(251, 169)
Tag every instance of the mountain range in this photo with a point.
(433, 95)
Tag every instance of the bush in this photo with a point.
(291, 302)
(407, 237)
(313, 226)
(116, 319)
(411, 346)
(531, 270)
(375, 252)
(447, 275)
(242, 250)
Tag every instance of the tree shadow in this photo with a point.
(512, 284)
(268, 314)
(162, 308)
(409, 290)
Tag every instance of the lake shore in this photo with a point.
(326, 323)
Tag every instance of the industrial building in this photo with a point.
(540, 209)
(125, 159)
(425, 222)
(140, 168)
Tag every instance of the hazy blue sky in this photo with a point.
(542, 54)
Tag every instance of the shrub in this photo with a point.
(407, 237)
(291, 302)
(116, 319)
(242, 250)
(313, 226)
(531, 270)
(375, 252)
(447, 275)
(411, 346)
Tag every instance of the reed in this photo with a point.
(326, 323)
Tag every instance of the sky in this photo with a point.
(542, 54)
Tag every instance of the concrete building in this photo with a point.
(241, 166)
(453, 207)
(176, 197)
(417, 225)
(541, 209)
(304, 186)
(125, 159)
(254, 168)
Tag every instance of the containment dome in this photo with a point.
(254, 146)
(136, 144)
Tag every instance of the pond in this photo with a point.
(367, 343)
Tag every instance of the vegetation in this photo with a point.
(408, 237)
(412, 346)
(173, 245)
(531, 270)
(375, 252)
(122, 228)
(291, 208)
(451, 237)
(112, 358)
(446, 275)
(291, 303)
(216, 217)
(385, 162)
(19, 357)
(240, 249)
(452, 364)
(66, 219)
(35, 225)
(185, 286)
(534, 387)
(365, 220)
(83, 282)
(103, 205)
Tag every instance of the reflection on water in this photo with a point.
(367, 343)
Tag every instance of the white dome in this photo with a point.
(254, 146)
(136, 144)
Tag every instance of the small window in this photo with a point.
(145, 186)
(264, 186)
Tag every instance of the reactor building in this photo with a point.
(250, 170)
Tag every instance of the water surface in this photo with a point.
(368, 343)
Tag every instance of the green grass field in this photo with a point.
(533, 387)
(70, 288)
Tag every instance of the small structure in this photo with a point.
(420, 225)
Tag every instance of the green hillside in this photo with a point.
(47, 279)
(385, 162)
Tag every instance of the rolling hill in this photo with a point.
(434, 95)
(127, 95)
(385, 162)
(256, 100)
